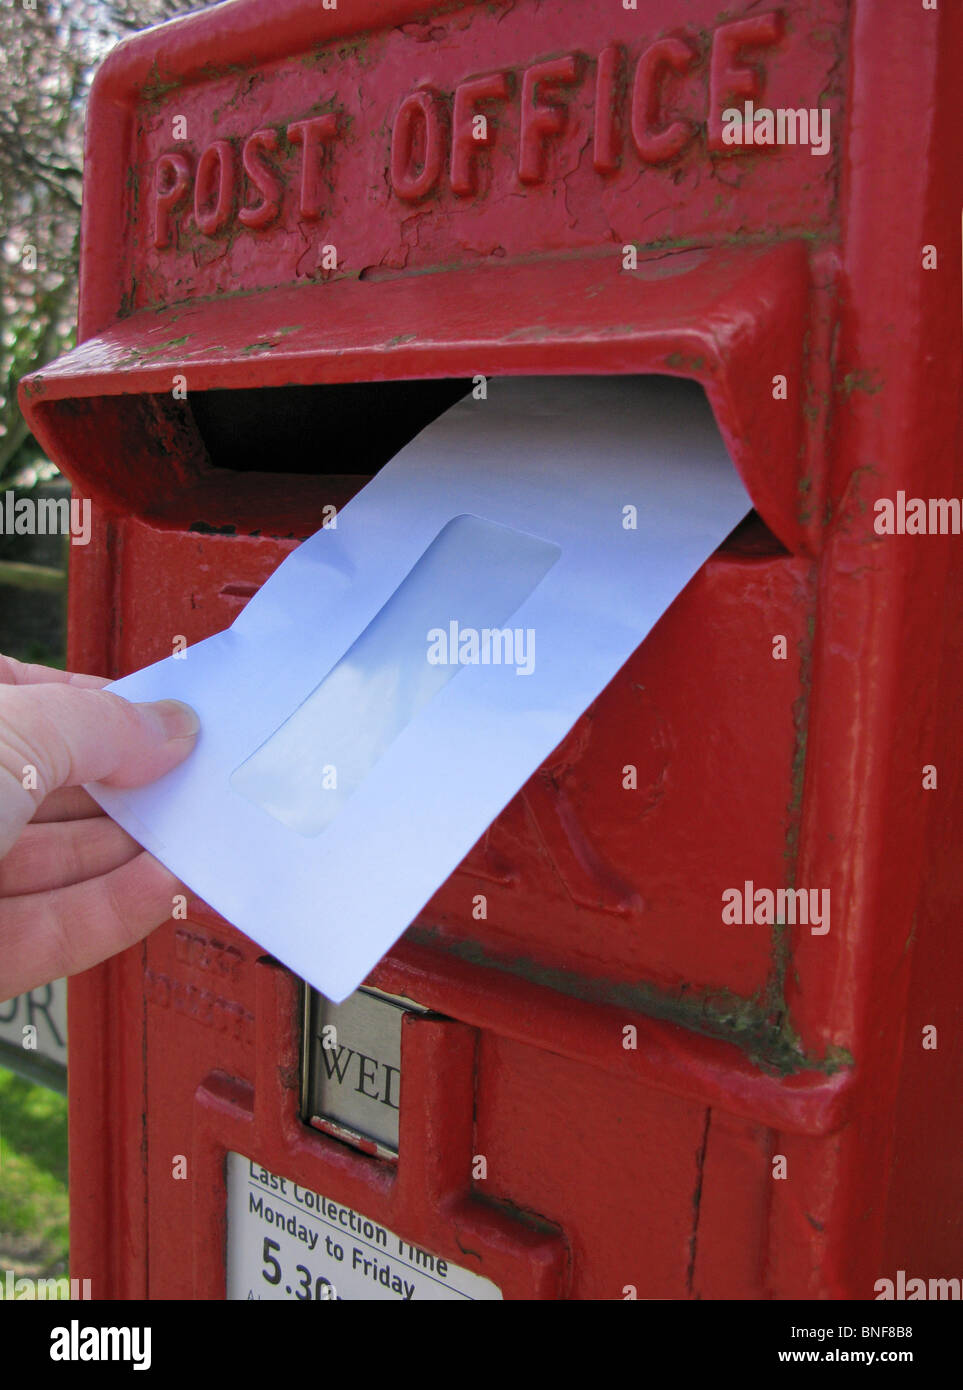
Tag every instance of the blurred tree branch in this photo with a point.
(49, 51)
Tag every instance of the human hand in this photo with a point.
(74, 887)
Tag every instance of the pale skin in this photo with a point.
(74, 887)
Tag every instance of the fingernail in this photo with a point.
(176, 719)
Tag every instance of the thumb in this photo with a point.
(62, 735)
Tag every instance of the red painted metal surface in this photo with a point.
(208, 266)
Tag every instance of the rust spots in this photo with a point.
(866, 381)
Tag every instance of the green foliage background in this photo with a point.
(33, 1179)
(49, 51)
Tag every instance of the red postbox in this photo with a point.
(634, 1074)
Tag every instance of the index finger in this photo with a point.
(53, 735)
(14, 672)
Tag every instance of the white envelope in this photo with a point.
(400, 676)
